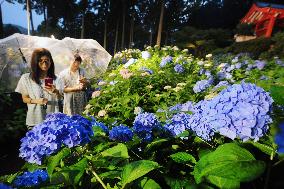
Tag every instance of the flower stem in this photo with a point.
(99, 179)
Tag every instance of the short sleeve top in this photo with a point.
(36, 112)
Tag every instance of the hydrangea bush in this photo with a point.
(155, 123)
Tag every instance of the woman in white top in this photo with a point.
(41, 97)
(74, 81)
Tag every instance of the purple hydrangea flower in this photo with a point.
(48, 137)
(201, 86)
(31, 179)
(144, 124)
(166, 60)
(179, 68)
(279, 139)
(121, 133)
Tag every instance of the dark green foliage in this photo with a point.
(245, 29)
(202, 42)
(254, 47)
(13, 116)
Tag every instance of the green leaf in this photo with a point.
(155, 143)
(120, 150)
(148, 183)
(183, 157)
(136, 170)
(224, 183)
(54, 160)
(269, 150)
(110, 175)
(277, 92)
(228, 161)
(180, 183)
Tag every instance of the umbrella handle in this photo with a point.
(23, 57)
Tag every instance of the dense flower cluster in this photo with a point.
(279, 139)
(241, 110)
(179, 68)
(201, 85)
(166, 60)
(145, 55)
(30, 179)
(186, 107)
(121, 133)
(4, 186)
(58, 129)
(99, 124)
(178, 123)
(144, 125)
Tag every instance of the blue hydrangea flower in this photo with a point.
(121, 133)
(178, 123)
(201, 86)
(239, 111)
(179, 68)
(30, 179)
(260, 64)
(113, 82)
(263, 77)
(4, 186)
(129, 62)
(186, 107)
(166, 60)
(147, 70)
(221, 84)
(48, 137)
(279, 139)
(145, 55)
(99, 124)
(144, 125)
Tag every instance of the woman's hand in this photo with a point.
(41, 101)
(51, 89)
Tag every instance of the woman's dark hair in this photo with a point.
(77, 57)
(35, 70)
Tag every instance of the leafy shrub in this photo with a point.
(245, 29)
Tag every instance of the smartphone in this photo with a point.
(48, 81)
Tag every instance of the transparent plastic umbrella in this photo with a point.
(95, 58)
(15, 55)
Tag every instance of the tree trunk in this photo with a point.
(116, 37)
(166, 38)
(123, 27)
(1, 24)
(31, 17)
(45, 19)
(159, 36)
(83, 26)
(131, 32)
(151, 37)
(105, 33)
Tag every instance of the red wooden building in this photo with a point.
(265, 17)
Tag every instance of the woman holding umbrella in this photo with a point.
(75, 83)
(39, 88)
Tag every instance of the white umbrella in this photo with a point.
(95, 58)
(15, 55)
